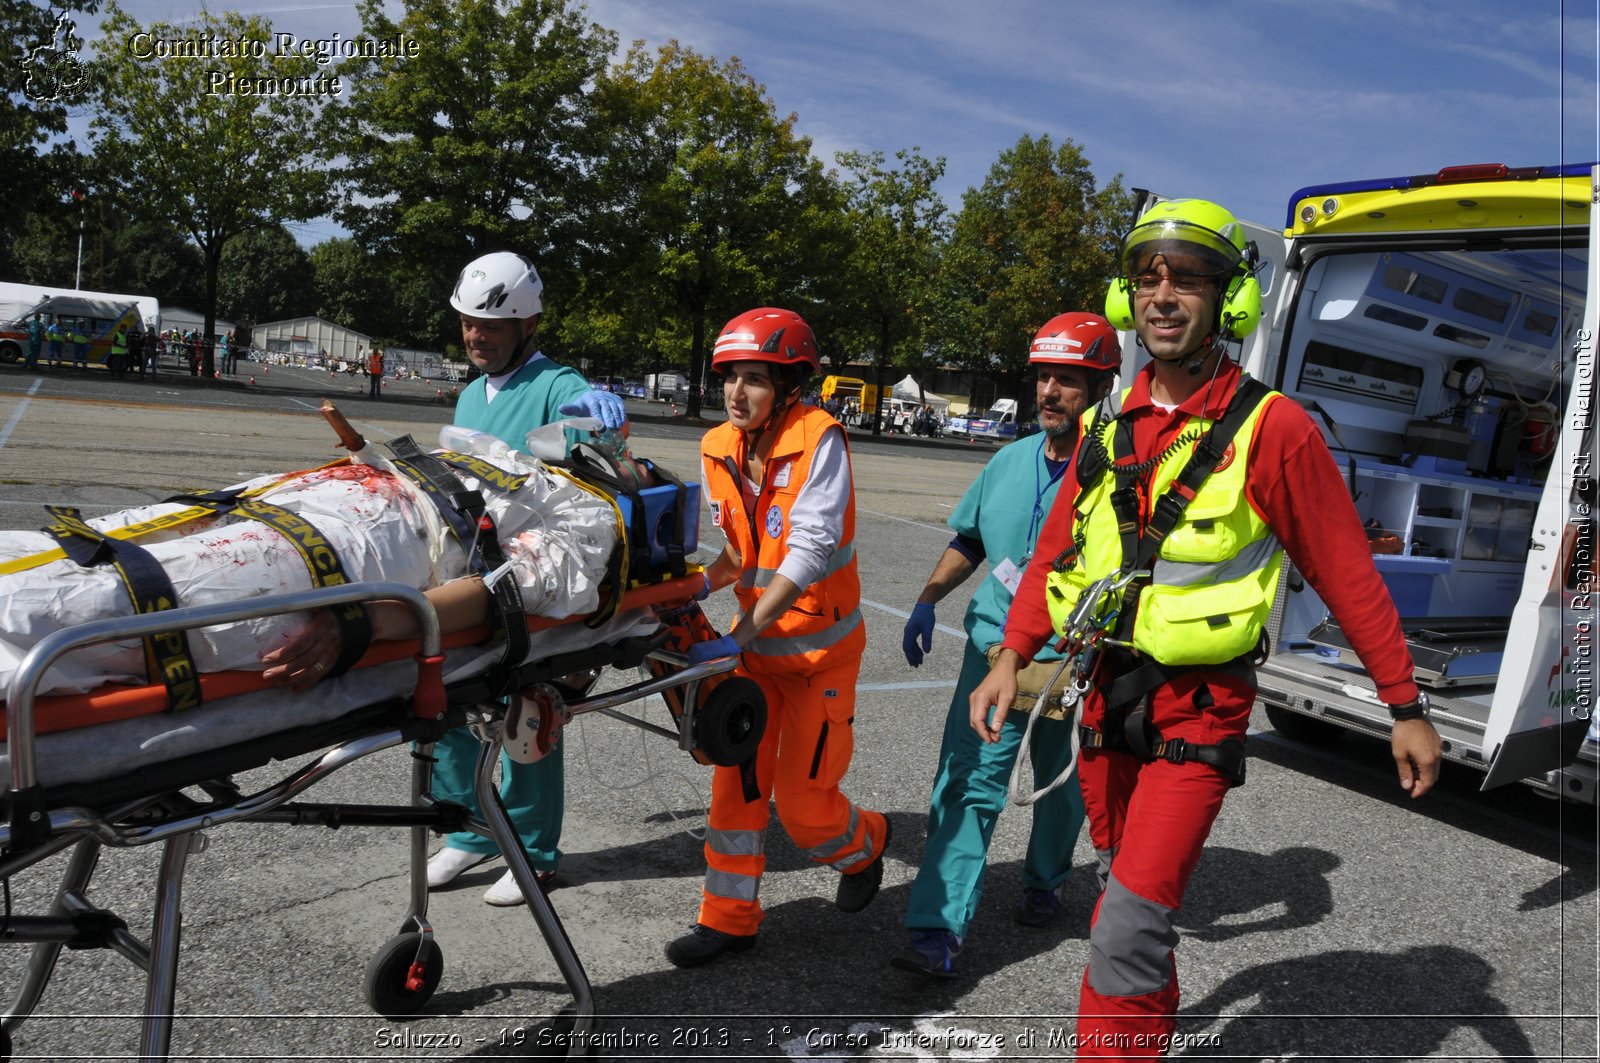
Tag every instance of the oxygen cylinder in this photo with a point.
(1481, 422)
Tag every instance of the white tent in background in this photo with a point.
(907, 390)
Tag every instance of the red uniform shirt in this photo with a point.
(1294, 485)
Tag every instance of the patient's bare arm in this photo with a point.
(310, 652)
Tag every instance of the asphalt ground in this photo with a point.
(1332, 918)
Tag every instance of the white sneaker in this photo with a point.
(505, 893)
(448, 863)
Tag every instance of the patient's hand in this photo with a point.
(306, 655)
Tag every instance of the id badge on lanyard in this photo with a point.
(1009, 573)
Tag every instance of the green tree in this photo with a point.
(218, 146)
(708, 204)
(43, 77)
(1036, 239)
(350, 288)
(153, 258)
(828, 285)
(900, 226)
(265, 276)
(477, 143)
(145, 258)
(43, 249)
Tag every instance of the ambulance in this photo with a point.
(1441, 328)
(98, 314)
(998, 422)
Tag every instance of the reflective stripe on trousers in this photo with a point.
(832, 852)
(729, 884)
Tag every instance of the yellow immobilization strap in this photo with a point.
(167, 653)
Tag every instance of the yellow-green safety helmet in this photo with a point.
(1201, 230)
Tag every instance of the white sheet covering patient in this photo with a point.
(557, 535)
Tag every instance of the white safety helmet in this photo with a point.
(502, 284)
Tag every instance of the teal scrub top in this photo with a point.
(531, 399)
(1005, 507)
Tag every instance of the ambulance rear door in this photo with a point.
(1542, 715)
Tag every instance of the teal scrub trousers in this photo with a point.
(532, 794)
(968, 794)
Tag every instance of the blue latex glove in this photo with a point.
(920, 626)
(704, 592)
(599, 404)
(715, 650)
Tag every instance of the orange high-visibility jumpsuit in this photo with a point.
(806, 662)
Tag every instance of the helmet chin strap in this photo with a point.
(519, 354)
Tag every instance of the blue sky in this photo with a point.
(1240, 101)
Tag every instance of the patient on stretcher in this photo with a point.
(366, 519)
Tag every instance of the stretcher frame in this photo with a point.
(36, 830)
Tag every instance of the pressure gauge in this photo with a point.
(1470, 377)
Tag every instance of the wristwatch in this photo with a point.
(1420, 708)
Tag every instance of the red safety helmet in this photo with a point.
(1077, 339)
(767, 334)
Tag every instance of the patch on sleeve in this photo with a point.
(716, 513)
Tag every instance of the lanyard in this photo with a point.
(1037, 519)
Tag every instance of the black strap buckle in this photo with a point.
(1172, 750)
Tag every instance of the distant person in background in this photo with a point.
(138, 342)
(80, 345)
(36, 331)
(375, 374)
(57, 335)
(117, 360)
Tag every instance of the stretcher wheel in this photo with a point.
(1303, 728)
(729, 724)
(392, 989)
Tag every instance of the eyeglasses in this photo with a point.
(1145, 284)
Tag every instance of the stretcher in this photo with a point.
(129, 773)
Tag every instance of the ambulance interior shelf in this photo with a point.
(1450, 548)
(1444, 517)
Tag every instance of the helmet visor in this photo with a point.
(1187, 247)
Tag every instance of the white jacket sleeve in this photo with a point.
(816, 521)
